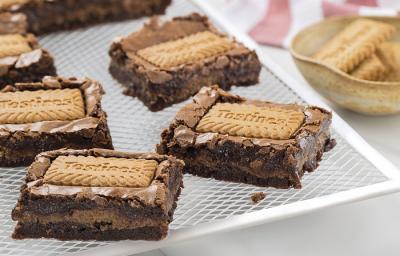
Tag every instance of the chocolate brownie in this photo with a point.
(98, 194)
(163, 64)
(23, 60)
(231, 138)
(44, 16)
(52, 114)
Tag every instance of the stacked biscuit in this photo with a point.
(363, 51)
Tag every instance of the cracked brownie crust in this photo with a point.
(42, 116)
(93, 210)
(166, 63)
(238, 148)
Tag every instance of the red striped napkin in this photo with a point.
(275, 22)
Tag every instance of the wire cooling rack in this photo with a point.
(206, 205)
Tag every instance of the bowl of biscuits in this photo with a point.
(353, 61)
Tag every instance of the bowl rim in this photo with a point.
(308, 59)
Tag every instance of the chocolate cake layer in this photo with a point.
(51, 114)
(231, 138)
(112, 219)
(44, 16)
(166, 63)
(22, 59)
(94, 208)
(76, 231)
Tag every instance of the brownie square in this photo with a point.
(163, 64)
(231, 138)
(98, 194)
(52, 114)
(23, 60)
(41, 17)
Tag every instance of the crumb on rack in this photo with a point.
(257, 197)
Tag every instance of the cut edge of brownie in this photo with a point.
(20, 143)
(75, 231)
(257, 161)
(30, 66)
(153, 204)
(158, 87)
(44, 18)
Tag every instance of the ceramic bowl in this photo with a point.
(368, 97)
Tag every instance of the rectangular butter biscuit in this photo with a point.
(372, 69)
(251, 121)
(4, 4)
(186, 50)
(23, 107)
(13, 45)
(389, 53)
(100, 172)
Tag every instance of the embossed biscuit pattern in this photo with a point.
(371, 69)
(13, 45)
(186, 50)
(43, 105)
(100, 172)
(357, 42)
(251, 121)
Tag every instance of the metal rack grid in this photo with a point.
(84, 53)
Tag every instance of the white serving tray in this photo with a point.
(352, 171)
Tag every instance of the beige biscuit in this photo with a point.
(371, 69)
(8, 3)
(186, 50)
(100, 172)
(357, 42)
(389, 53)
(13, 45)
(392, 77)
(43, 105)
(251, 121)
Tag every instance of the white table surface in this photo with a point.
(365, 228)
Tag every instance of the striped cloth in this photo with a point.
(275, 22)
